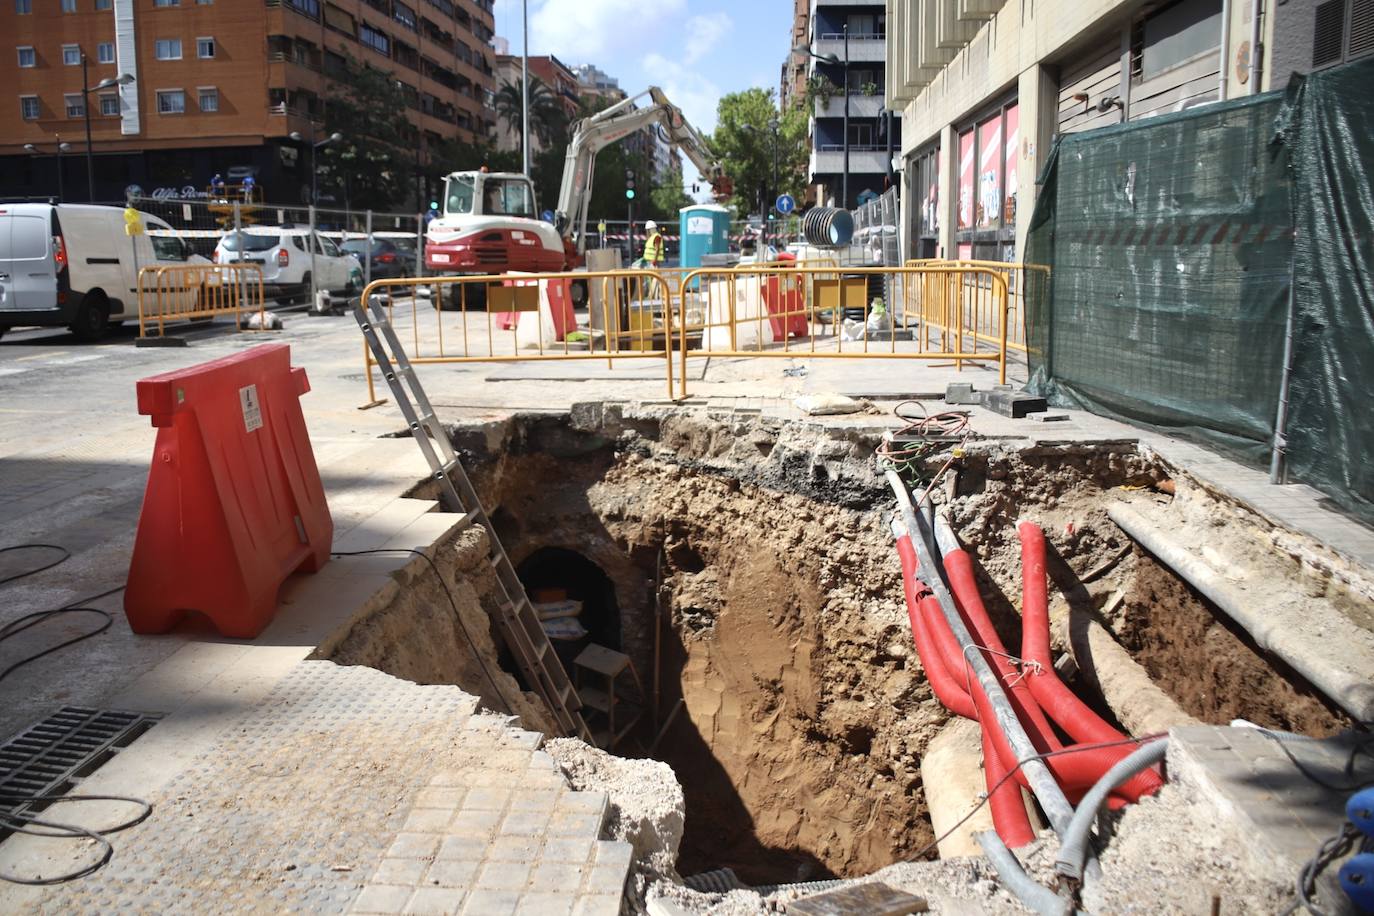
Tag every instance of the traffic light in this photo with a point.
(629, 184)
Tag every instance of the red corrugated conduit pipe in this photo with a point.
(1067, 710)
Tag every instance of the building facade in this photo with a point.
(558, 77)
(849, 39)
(985, 86)
(219, 86)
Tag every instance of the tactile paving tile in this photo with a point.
(294, 807)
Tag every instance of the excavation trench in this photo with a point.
(747, 570)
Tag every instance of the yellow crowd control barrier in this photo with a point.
(980, 317)
(837, 312)
(528, 317)
(182, 292)
(913, 312)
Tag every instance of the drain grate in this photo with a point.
(52, 756)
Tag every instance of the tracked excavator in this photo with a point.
(490, 220)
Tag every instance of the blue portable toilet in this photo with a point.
(705, 230)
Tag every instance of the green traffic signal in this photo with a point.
(629, 193)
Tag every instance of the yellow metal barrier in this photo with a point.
(800, 312)
(980, 318)
(182, 292)
(528, 317)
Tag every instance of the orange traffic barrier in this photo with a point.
(234, 502)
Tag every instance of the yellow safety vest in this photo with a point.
(653, 248)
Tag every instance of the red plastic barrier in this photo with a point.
(234, 502)
(1062, 705)
(782, 296)
(559, 293)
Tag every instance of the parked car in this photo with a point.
(284, 253)
(74, 265)
(390, 257)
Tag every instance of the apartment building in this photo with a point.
(985, 86)
(218, 86)
(847, 71)
(792, 84)
(559, 79)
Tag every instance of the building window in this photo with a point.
(167, 49)
(26, 57)
(171, 101)
(310, 8)
(403, 14)
(22, 7)
(104, 52)
(162, 3)
(28, 107)
(76, 106)
(205, 48)
(209, 98)
(109, 105)
(69, 6)
(377, 41)
(103, 4)
(1177, 34)
(71, 55)
(205, 2)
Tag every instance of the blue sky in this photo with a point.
(696, 50)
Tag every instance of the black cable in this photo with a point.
(476, 653)
(20, 624)
(987, 797)
(66, 555)
(21, 822)
(1364, 745)
(1330, 850)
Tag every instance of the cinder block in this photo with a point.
(1010, 404)
(962, 393)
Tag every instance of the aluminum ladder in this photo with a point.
(518, 622)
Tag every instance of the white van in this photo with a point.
(73, 265)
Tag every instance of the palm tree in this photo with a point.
(548, 120)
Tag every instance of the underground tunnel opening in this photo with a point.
(746, 570)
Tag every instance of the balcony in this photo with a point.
(862, 48)
(860, 106)
(863, 160)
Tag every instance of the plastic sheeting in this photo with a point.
(1328, 127)
(1170, 243)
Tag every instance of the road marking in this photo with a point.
(81, 358)
(20, 359)
(12, 371)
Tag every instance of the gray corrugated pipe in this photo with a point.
(1351, 690)
(1034, 895)
(1047, 791)
(1073, 849)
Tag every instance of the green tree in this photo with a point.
(549, 121)
(668, 197)
(744, 140)
(374, 164)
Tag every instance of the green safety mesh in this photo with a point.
(1328, 128)
(1170, 248)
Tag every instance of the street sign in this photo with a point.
(785, 204)
(548, 216)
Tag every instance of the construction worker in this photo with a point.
(653, 246)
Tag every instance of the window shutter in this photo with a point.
(1328, 34)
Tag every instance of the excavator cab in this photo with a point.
(489, 194)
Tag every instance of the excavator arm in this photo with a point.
(595, 133)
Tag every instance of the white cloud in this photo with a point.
(704, 34)
(593, 31)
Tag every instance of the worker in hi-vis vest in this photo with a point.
(653, 246)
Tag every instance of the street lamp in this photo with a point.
(123, 79)
(62, 147)
(832, 59)
(773, 125)
(314, 146)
